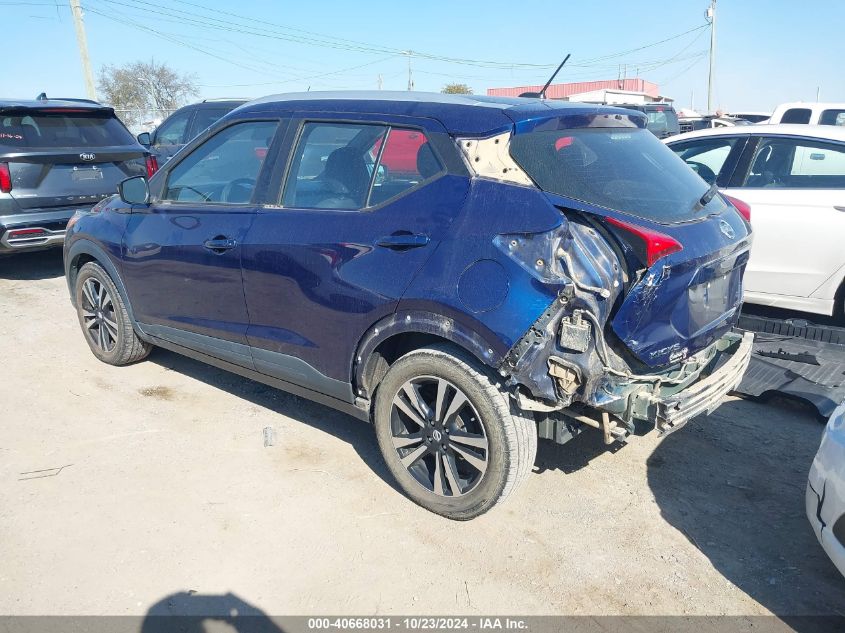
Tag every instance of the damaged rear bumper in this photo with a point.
(703, 396)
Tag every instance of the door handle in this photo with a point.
(403, 241)
(220, 244)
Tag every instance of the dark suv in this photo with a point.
(56, 157)
(184, 124)
(541, 268)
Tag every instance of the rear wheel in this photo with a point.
(104, 319)
(452, 439)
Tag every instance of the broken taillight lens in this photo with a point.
(5, 178)
(654, 245)
(743, 207)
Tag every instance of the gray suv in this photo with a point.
(58, 156)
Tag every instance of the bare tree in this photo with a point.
(456, 89)
(142, 91)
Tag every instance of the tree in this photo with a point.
(143, 91)
(456, 89)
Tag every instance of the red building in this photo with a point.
(561, 91)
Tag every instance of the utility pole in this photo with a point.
(380, 82)
(82, 41)
(711, 15)
(410, 75)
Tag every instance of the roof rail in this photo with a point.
(224, 99)
(43, 97)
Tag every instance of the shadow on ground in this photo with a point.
(32, 266)
(734, 484)
(190, 612)
(357, 433)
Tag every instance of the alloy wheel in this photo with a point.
(439, 436)
(98, 315)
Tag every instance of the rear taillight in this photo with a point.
(743, 207)
(652, 244)
(152, 166)
(5, 178)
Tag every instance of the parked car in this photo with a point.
(184, 124)
(793, 178)
(751, 117)
(56, 157)
(809, 113)
(541, 257)
(825, 496)
(662, 118)
(690, 124)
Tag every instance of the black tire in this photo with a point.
(104, 319)
(504, 437)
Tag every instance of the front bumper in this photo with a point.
(34, 229)
(825, 494)
(669, 407)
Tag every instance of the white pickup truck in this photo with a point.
(811, 113)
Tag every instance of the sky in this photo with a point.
(767, 51)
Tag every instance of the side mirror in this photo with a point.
(145, 139)
(134, 190)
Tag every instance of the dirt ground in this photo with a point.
(163, 499)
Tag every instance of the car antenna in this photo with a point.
(542, 93)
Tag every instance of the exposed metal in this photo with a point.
(490, 158)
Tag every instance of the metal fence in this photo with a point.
(143, 120)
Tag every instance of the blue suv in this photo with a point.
(468, 273)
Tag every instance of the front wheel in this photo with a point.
(449, 435)
(104, 319)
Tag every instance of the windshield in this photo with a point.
(626, 170)
(62, 129)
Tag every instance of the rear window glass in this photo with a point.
(662, 121)
(625, 170)
(57, 129)
(796, 115)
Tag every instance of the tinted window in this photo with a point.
(706, 157)
(797, 164)
(796, 115)
(832, 117)
(627, 170)
(224, 168)
(204, 118)
(58, 129)
(332, 166)
(352, 166)
(172, 131)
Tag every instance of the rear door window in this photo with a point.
(352, 166)
(788, 163)
(223, 169)
(832, 117)
(62, 129)
(796, 115)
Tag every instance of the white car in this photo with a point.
(825, 497)
(793, 179)
(809, 113)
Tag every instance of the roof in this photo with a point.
(469, 114)
(41, 104)
(824, 132)
(563, 90)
